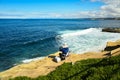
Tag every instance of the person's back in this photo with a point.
(65, 51)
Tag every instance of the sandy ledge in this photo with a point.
(46, 65)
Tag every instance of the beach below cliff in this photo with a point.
(46, 65)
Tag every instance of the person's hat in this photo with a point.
(65, 45)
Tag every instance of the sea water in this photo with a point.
(25, 40)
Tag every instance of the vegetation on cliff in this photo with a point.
(90, 69)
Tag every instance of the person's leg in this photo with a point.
(63, 56)
(67, 54)
(60, 54)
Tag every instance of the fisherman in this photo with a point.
(65, 51)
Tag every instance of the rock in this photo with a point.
(111, 46)
(114, 30)
(115, 51)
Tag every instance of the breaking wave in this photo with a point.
(81, 41)
(78, 32)
(34, 59)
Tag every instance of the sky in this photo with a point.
(59, 8)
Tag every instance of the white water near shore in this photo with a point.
(92, 39)
(34, 59)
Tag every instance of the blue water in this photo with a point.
(24, 39)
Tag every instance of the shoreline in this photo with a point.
(46, 65)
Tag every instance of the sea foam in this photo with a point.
(34, 59)
(81, 41)
(77, 32)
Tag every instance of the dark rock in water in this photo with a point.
(114, 30)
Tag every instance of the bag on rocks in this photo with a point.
(57, 59)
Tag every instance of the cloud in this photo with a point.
(94, 0)
(10, 15)
(111, 8)
(28, 15)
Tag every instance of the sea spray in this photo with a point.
(91, 39)
(77, 32)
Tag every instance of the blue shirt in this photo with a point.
(64, 50)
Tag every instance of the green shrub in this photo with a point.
(22, 78)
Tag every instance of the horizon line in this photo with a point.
(66, 18)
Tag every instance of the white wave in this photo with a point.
(92, 40)
(34, 59)
(77, 32)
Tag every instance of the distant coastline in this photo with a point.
(106, 18)
(117, 18)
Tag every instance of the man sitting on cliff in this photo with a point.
(65, 51)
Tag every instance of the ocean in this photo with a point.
(24, 40)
